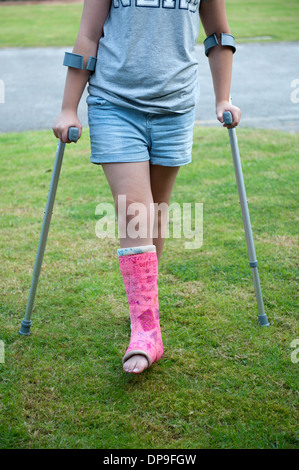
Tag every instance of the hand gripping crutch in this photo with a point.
(73, 135)
(262, 317)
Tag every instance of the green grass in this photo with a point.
(39, 25)
(57, 25)
(223, 382)
(268, 18)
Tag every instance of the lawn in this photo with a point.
(57, 25)
(224, 381)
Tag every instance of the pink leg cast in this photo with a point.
(140, 275)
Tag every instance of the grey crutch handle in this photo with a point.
(73, 134)
(227, 117)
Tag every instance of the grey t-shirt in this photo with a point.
(146, 56)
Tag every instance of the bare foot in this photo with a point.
(135, 364)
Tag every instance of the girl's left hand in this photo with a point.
(223, 106)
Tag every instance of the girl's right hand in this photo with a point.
(63, 122)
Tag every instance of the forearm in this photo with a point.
(214, 20)
(94, 15)
(221, 60)
(77, 79)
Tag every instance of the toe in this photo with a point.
(135, 364)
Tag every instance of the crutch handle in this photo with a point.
(227, 117)
(73, 134)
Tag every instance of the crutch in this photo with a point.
(262, 317)
(73, 135)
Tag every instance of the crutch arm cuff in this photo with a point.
(76, 61)
(225, 39)
(209, 42)
(73, 60)
(228, 40)
(91, 64)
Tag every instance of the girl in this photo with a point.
(141, 107)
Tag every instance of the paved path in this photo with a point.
(261, 86)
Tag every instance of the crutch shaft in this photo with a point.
(242, 195)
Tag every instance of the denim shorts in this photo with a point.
(119, 134)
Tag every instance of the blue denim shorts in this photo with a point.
(119, 134)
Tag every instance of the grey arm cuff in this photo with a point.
(226, 40)
(91, 64)
(76, 61)
(73, 60)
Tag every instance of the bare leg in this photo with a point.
(162, 182)
(133, 181)
(143, 183)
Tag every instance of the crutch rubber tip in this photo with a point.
(263, 320)
(25, 327)
(227, 117)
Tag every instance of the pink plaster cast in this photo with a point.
(140, 275)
